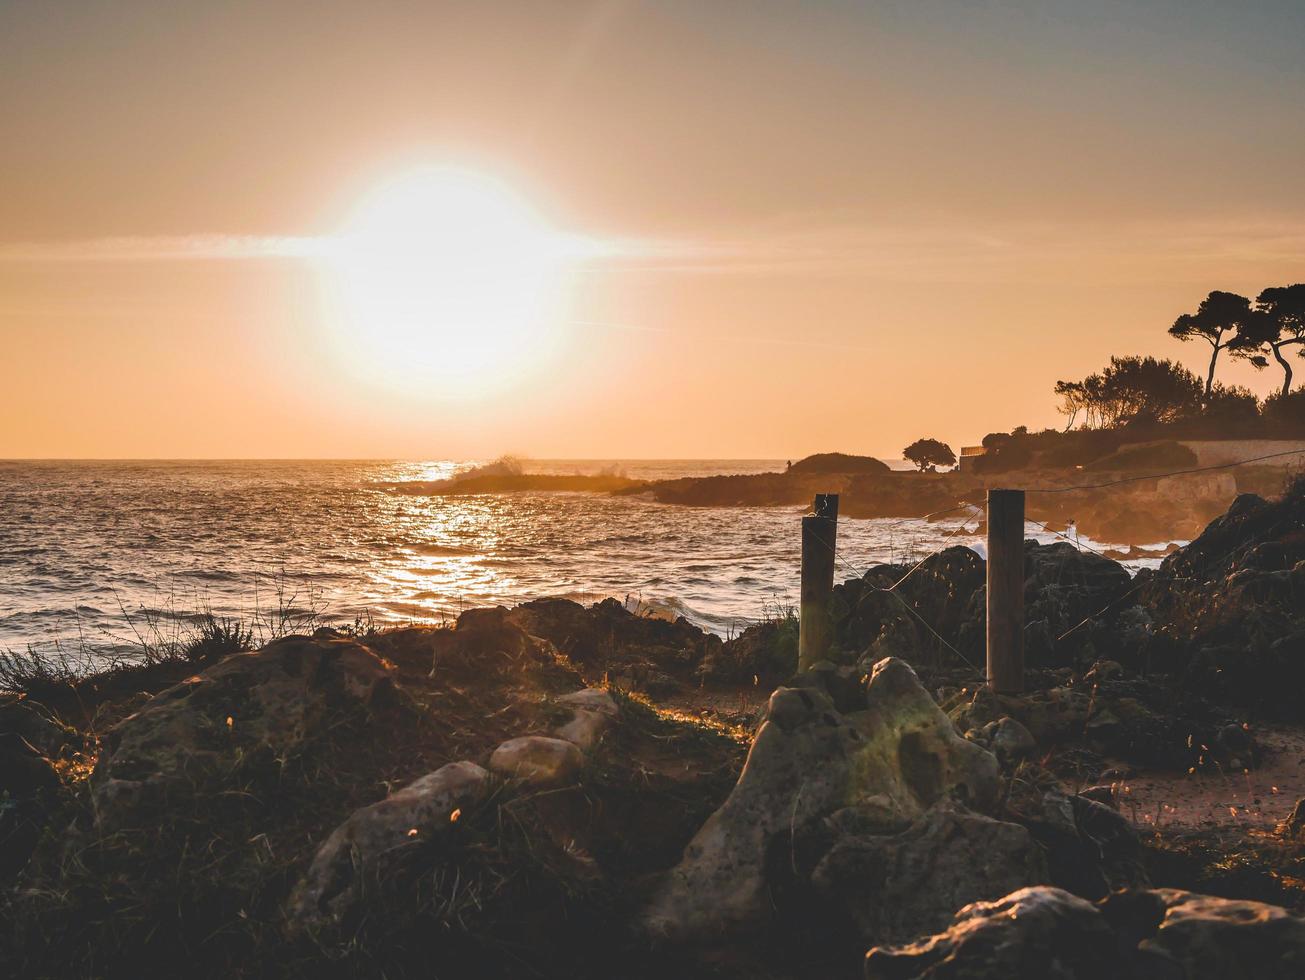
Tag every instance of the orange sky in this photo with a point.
(836, 225)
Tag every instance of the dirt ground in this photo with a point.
(1255, 800)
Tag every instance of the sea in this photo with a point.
(108, 559)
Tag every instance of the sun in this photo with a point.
(446, 281)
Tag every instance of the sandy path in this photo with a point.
(1257, 800)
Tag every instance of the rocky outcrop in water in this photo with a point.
(1118, 504)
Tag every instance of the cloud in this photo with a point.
(1106, 251)
(166, 249)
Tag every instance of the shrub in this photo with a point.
(1149, 457)
(1286, 413)
(218, 637)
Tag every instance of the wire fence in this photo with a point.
(867, 589)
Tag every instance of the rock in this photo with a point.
(1031, 934)
(537, 760)
(941, 591)
(1053, 715)
(378, 838)
(1058, 813)
(983, 709)
(1229, 602)
(1219, 939)
(1091, 849)
(585, 729)
(845, 686)
(1012, 741)
(1064, 586)
(1163, 934)
(1235, 747)
(1103, 725)
(807, 761)
(609, 636)
(490, 636)
(1105, 795)
(270, 702)
(594, 712)
(766, 651)
(895, 887)
(1077, 604)
(592, 699)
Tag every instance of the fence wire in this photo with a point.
(1076, 541)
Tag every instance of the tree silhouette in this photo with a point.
(929, 454)
(1277, 322)
(1132, 390)
(1216, 322)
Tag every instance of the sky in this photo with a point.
(613, 228)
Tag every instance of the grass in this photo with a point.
(172, 633)
(38, 673)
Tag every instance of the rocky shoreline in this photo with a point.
(1139, 511)
(1135, 508)
(559, 790)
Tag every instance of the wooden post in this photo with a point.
(1006, 591)
(819, 538)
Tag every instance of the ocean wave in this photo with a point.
(433, 549)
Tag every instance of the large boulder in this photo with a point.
(894, 886)
(872, 619)
(1230, 607)
(1078, 606)
(1032, 934)
(608, 638)
(593, 712)
(897, 755)
(1165, 934)
(1091, 848)
(379, 838)
(537, 760)
(1223, 939)
(271, 702)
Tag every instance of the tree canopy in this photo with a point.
(1216, 321)
(1132, 390)
(1276, 323)
(929, 454)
